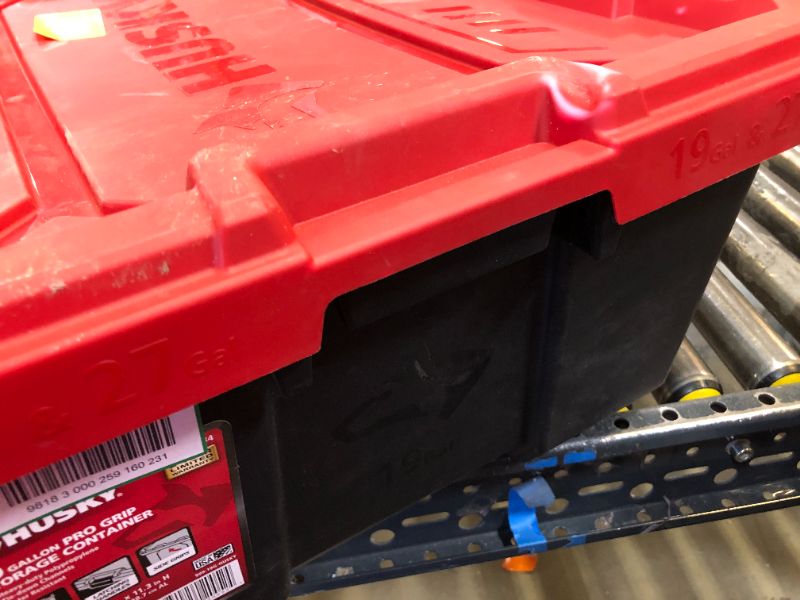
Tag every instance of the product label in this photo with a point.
(110, 465)
(176, 537)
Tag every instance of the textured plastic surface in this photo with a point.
(181, 199)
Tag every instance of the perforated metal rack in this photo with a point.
(652, 468)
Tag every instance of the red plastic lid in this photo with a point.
(15, 202)
(181, 198)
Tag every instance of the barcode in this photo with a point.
(135, 444)
(213, 585)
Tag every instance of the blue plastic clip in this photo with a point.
(522, 502)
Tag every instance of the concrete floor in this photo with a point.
(749, 558)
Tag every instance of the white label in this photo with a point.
(215, 584)
(109, 465)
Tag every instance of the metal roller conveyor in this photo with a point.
(776, 206)
(768, 270)
(787, 166)
(752, 349)
(689, 378)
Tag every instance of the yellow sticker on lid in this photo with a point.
(70, 25)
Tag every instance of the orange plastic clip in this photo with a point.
(524, 563)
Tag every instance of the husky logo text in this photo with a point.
(182, 51)
(26, 532)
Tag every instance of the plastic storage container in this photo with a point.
(504, 346)
(444, 239)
